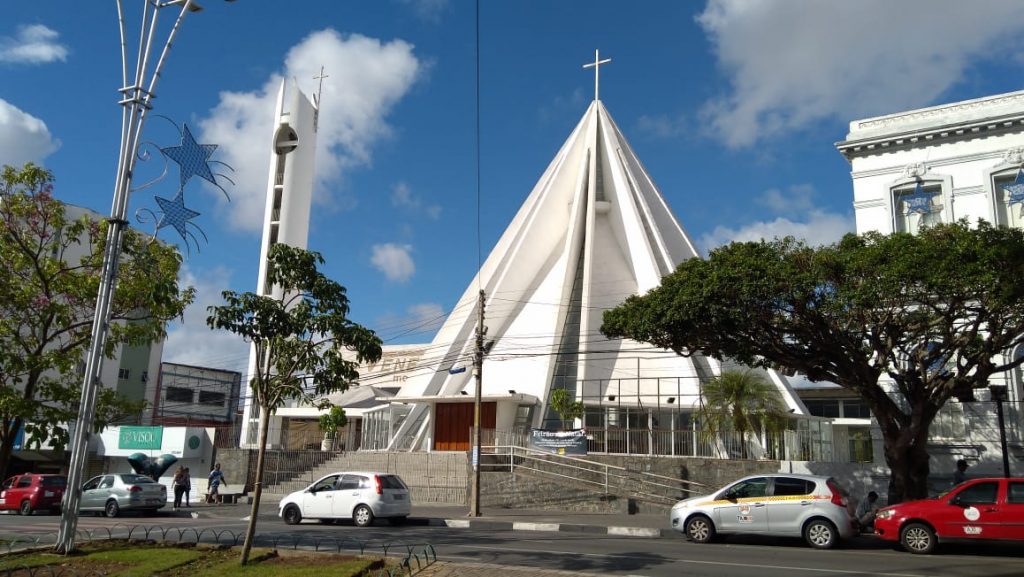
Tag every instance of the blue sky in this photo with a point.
(733, 106)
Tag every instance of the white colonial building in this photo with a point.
(942, 164)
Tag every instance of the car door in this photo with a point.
(350, 489)
(971, 513)
(89, 498)
(317, 502)
(1013, 511)
(3, 493)
(742, 507)
(788, 504)
(18, 490)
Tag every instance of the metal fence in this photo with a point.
(803, 445)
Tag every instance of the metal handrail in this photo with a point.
(621, 476)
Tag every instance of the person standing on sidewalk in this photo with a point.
(178, 484)
(213, 484)
(188, 487)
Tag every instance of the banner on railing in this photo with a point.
(559, 442)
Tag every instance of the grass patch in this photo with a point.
(118, 558)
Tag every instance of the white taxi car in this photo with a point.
(358, 495)
(807, 506)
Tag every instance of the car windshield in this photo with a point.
(136, 479)
(54, 482)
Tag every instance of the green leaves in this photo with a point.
(898, 305)
(303, 339)
(566, 406)
(50, 268)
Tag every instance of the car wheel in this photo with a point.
(292, 515)
(112, 509)
(362, 516)
(26, 507)
(821, 534)
(398, 520)
(700, 529)
(918, 538)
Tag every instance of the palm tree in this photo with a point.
(743, 402)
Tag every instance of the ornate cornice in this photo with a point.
(939, 111)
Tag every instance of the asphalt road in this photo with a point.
(568, 551)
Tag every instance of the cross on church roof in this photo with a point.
(596, 65)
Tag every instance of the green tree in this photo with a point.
(740, 402)
(298, 336)
(50, 269)
(938, 313)
(568, 408)
(331, 421)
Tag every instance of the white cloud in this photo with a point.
(33, 44)
(815, 226)
(403, 197)
(192, 342)
(662, 126)
(429, 10)
(792, 63)
(394, 261)
(366, 77)
(23, 137)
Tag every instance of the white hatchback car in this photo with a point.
(807, 506)
(360, 496)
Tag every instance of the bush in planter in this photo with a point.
(330, 422)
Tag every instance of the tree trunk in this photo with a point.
(261, 452)
(907, 457)
(7, 446)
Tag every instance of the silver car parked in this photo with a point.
(807, 506)
(112, 494)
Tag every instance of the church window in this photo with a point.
(1009, 198)
(917, 205)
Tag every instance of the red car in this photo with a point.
(31, 492)
(978, 510)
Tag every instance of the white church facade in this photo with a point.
(943, 164)
(594, 230)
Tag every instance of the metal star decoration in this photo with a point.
(175, 214)
(191, 157)
(1016, 190)
(919, 201)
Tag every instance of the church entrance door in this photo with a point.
(453, 421)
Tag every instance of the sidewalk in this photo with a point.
(491, 518)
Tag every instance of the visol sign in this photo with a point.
(140, 438)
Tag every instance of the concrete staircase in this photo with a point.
(431, 477)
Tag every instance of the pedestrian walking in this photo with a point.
(178, 485)
(213, 483)
(188, 487)
(960, 475)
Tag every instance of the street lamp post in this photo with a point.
(136, 92)
(998, 393)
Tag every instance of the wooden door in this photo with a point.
(453, 422)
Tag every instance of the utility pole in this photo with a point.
(478, 374)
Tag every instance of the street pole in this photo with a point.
(135, 102)
(998, 393)
(478, 373)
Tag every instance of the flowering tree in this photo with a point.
(49, 278)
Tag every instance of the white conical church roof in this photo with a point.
(594, 230)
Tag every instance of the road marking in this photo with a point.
(695, 562)
(523, 526)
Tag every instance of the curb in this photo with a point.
(640, 532)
